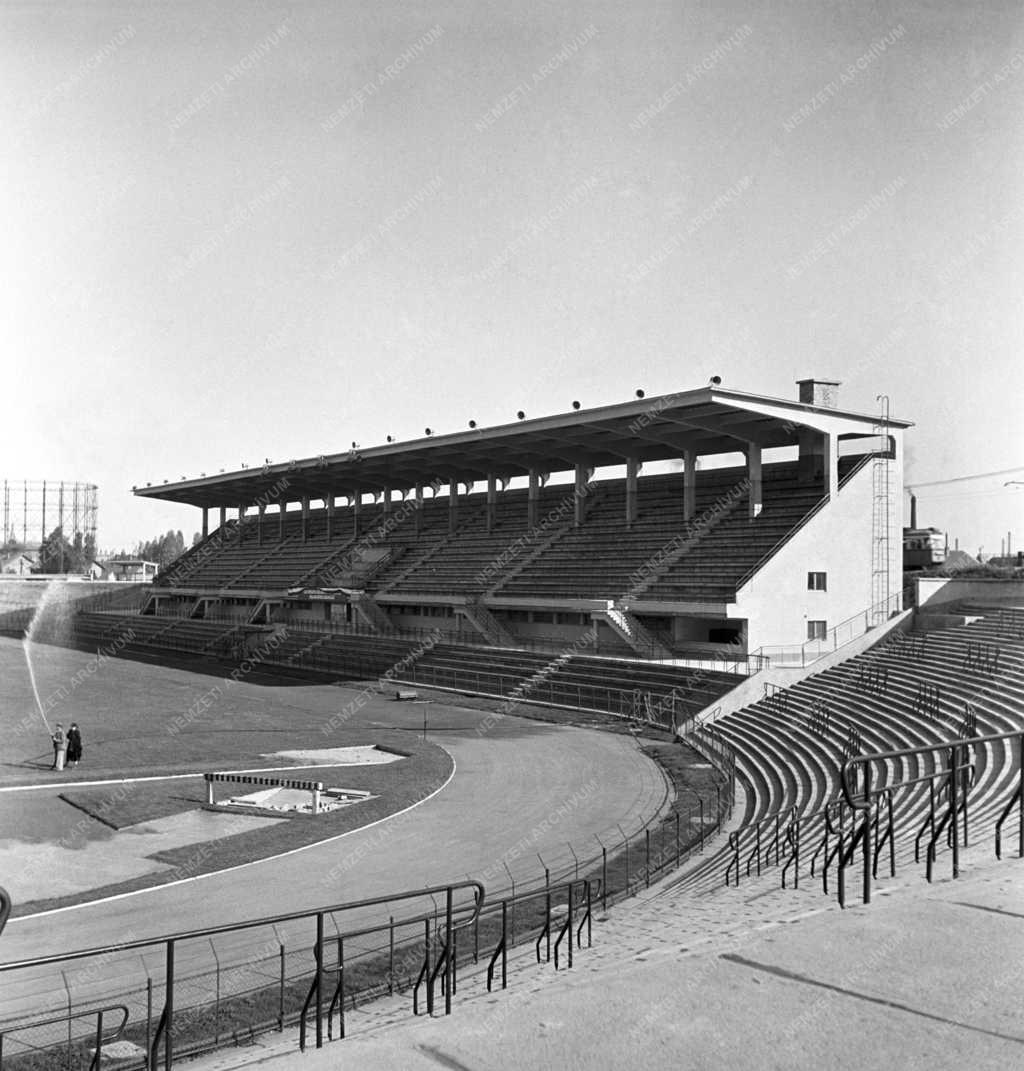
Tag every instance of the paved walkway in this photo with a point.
(747, 978)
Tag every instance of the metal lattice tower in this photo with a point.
(32, 509)
(882, 518)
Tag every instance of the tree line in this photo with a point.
(58, 554)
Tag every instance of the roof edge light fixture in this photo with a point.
(715, 381)
(575, 405)
(472, 423)
(639, 393)
(521, 415)
(427, 431)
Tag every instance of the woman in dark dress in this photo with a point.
(74, 744)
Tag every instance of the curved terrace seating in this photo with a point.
(791, 769)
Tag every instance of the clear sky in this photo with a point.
(248, 230)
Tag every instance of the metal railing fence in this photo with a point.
(803, 654)
(229, 994)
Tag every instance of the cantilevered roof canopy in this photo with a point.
(709, 421)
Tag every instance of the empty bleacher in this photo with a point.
(790, 764)
(471, 561)
(574, 680)
(602, 558)
(104, 630)
(715, 566)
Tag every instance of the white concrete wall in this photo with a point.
(933, 591)
(776, 602)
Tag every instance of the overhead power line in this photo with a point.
(913, 485)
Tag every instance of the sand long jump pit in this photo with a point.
(362, 755)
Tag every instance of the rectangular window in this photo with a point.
(816, 582)
(817, 630)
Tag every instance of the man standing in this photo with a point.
(60, 747)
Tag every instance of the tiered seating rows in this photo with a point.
(788, 766)
(575, 680)
(136, 631)
(602, 558)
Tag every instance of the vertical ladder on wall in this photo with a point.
(881, 519)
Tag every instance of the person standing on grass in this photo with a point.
(74, 744)
(60, 747)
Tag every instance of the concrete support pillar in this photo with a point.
(533, 499)
(830, 463)
(689, 485)
(755, 493)
(357, 509)
(418, 512)
(329, 503)
(259, 522)
(453, 507)
(206, 521)
(282, 509)
(305, 517)
(578, 494)
(241, 523)
(632, 470)
(492, 500)
(387, 504)
(819, 460)
(223, 516)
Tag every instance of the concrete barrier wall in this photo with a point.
(934, 591)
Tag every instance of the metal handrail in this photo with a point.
(888, 836)
(6, 903)
(793, 844)
(567, 927)
(734, 848)
(169, 942)
(959, 776)
(423, 969)
(1018, 798)
(850, 764)
(500, 949)
(234, 927)
(769, 651)
(338, 997)
(446, 958)
(68, 1017)
(929, 822)
(832, 807)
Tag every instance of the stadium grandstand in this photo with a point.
(711, 559)
(752, 611)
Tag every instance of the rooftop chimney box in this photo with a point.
(821, 392)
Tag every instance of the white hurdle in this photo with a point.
(313, 787)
